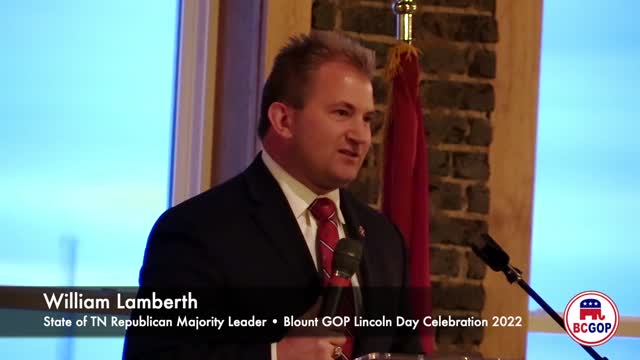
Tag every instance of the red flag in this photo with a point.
(405, 183)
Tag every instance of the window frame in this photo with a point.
(195, 93)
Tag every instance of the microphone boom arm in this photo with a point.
(498, 260)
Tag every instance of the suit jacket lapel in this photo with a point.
(273, 214)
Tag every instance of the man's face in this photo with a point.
(331, 134)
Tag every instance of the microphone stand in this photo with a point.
(514, 274)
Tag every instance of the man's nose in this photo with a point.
(360, 132)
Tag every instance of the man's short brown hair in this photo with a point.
(292, 67)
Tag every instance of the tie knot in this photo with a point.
(323, 209)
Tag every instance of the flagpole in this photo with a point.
(404, 10)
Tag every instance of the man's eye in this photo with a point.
(342, 112)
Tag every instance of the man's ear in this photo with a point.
(280, 116)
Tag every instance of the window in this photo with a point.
(86, 128)
(587, 170)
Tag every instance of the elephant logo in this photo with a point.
(592, 308)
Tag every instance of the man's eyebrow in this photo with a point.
(351, 107)
(345, 104)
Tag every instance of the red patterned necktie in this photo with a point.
(324, 211)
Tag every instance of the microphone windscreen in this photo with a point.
(490, 252)
(346, 257)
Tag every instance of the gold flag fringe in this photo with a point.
(395, 57)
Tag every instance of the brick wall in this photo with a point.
(457, 38)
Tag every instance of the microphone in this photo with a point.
(497, 259)
(346, 259)
(490, 252)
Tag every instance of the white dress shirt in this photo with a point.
(300, 198)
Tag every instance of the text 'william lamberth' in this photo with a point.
(75, 300)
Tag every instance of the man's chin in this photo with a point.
(343, 180)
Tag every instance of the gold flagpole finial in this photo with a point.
(404, 10)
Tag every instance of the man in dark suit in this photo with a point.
(262, 229)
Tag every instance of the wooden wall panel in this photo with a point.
(250, 32)
(512, 163)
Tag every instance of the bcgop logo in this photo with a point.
(591, 318)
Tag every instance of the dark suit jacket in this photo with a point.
(243, 234)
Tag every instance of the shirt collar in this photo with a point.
(298, 195)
